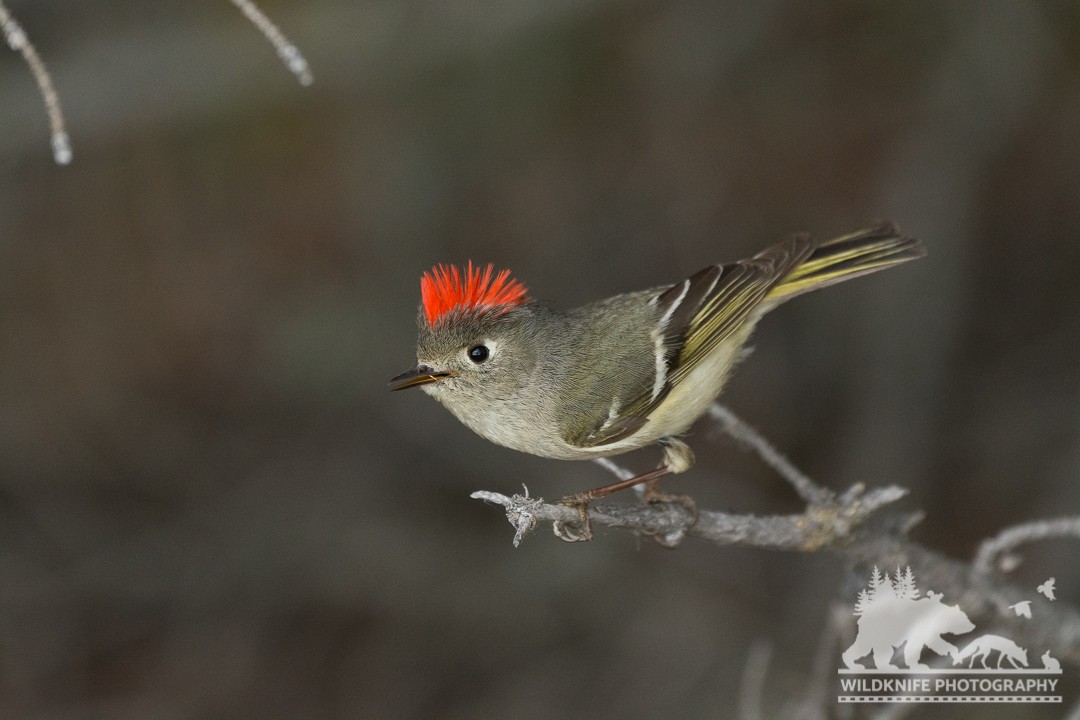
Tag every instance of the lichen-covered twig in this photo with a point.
(17, 40)
(848, 524)
(818, 527)
(289, 53)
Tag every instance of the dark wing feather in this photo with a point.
(742, 288)
(696, 315)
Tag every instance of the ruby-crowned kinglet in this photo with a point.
(621, 373)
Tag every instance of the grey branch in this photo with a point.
(17, 41)
(1011, 538)
(752, 686)
(734, 426)
(289, 53)
(820, 526)
(850, 524)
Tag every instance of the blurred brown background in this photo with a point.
(210, 505)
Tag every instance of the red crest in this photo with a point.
(446, 287)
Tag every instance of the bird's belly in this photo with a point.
(513, 425)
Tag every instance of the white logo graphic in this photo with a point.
(989, 668)
(1022, 609)
(1047, 588)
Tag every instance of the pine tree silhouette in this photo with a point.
(905, 584)
(901, 586)
(881, 587)
(876, 583)
(864, 602)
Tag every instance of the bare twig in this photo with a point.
(18, 41)
(614, 468)
(751, 688)
(808, 490)
(1013, 537)
(621, 473)
(288, 52)
(812, 705)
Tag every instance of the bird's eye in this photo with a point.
(478, 353)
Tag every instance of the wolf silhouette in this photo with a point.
(981, 647)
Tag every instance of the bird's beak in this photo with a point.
(419, 375)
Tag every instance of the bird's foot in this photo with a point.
(580, 531)
(653, 495)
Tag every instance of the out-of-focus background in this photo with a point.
(210, 505)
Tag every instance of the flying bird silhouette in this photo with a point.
(1047, 589)
(1022, 609)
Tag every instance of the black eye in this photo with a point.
(478, 353)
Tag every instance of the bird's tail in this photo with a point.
(847, 257)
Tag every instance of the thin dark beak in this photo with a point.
(419, 375)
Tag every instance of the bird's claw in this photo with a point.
(575, 532)
(653, 496)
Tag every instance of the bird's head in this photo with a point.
(474, 342)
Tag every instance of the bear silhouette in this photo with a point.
(918, 624)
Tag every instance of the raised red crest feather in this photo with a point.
(447, 287)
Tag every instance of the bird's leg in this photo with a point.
(584, 498)
(677, 457)
(581, 500)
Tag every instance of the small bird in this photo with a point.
(1022, 608)
(623, 373)
(1047, 589)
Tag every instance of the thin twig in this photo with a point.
(621, 473)
(20, 43)
(808, 490)
(614, 468)
(289, 53)
(1013, 537)
(752, 685)
(812, 705)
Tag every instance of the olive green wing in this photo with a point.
(846, 257)
(741, 288)
(693, 318)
